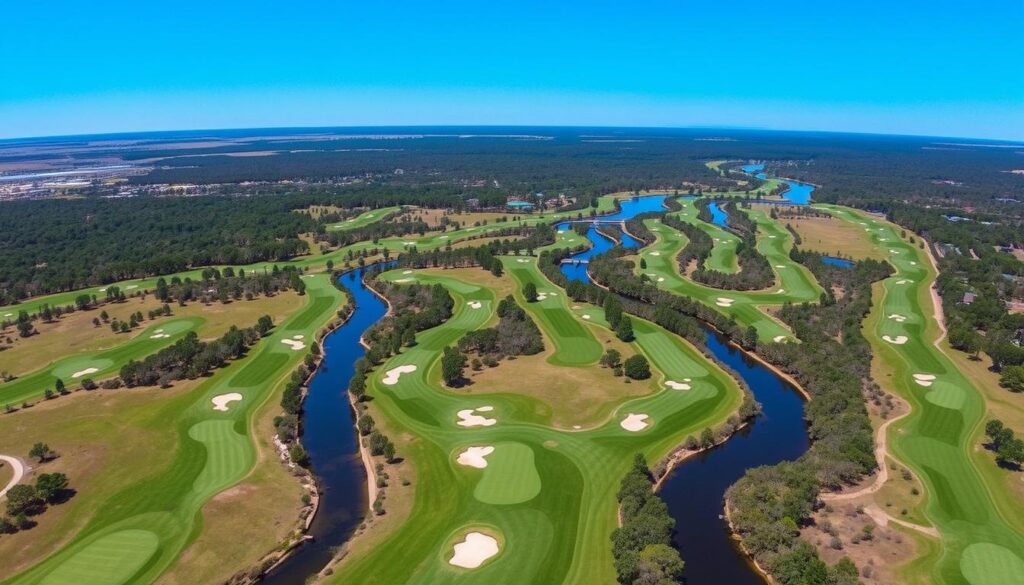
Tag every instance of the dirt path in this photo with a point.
(883, 519)
(19, 472)
(881, 453)
(940, 317)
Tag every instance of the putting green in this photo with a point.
(110, 560)
(510, 476)
(990, 564)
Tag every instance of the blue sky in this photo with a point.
(934, 68)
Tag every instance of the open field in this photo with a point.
(140, 528)
(981, 537)
(546, 495)
(832, 236)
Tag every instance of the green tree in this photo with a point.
(389, 452)
(624, 330)
(611, 358)
(612, 310)
(40, 452)
(707, 438)
(23, 499)
(409, 337)
(659, 563)
(637, 367)
(51, 486)
(1012, 378)
(530, 292)
(452, 363)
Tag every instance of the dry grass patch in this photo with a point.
(833, 236)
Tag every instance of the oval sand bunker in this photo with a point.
(469, 418)
(474, 550)
(221, 401)
(84, 372)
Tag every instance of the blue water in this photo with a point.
(718, 217)
(630, 208)
(330, 438)
(841, 262)
(752, 168)
(798, 193)
(696, 489)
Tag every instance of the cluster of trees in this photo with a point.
(516, 334)
(190, 358)
(1008, 448)
(229, 284)
(642, 545)
(27, 500)
(59, 245)
(614, 314)
(532, 238)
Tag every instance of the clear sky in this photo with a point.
(948, 68)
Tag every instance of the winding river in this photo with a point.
(694, 492)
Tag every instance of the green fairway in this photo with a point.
(364, 219)
(547, 495)
(723, 254)
(794, 283)
(980, 545)
(136, 535)
(575, 344)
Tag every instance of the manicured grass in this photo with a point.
(363, 219)
(211, 451)
(560, 534)
(937, 439)
(793, 282)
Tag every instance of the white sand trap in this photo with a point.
(522, 260)
(103, 290)
(862, 223)
(131, 286)
(542, 297)
(295, 345)
(84, 372)
(19, 472)
(655, 253)
(904, 281)
(408, 243)
(634, 423)
(407, 272)
(221, 402)
(475, 304)
(771, 237)
(724, 301)
(677, 385)
(897, 317)
(391, 376)
(8, 314)
(474, 550)
(894, 251)
(444, 237)
(779, 338)
(898, 340)
(474, 457)
(924, 379)
(577, 427)
(912, 263)
(780, 265)
(781, 291)
(661, 279)
(297, 336)
(469, 418)
(159, 336)
(403, 280)
(587, 317)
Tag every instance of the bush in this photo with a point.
(637, 367)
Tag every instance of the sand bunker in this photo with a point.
(772, 237)
(522, 260)
(475, 304)
(677, 385)
(408, 243)
(587, 317)
(924, 379)
(474, 550)
(403, 280)
(661, 279)
(474, 456)
(655, 253)
(912, 263)
(898, 340)
(159, 336)
(295, 345)
(131, 286)
(634, 423)
(724, 301)
(221, 402)
(779, 338)
(469, 418)
(897, 317)
(407, 272)
(298, 336)
(904, 281)
(780, 265)
(781, 291)
(84, 372)
(391, 376)
(444, 237)
(542, 296)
